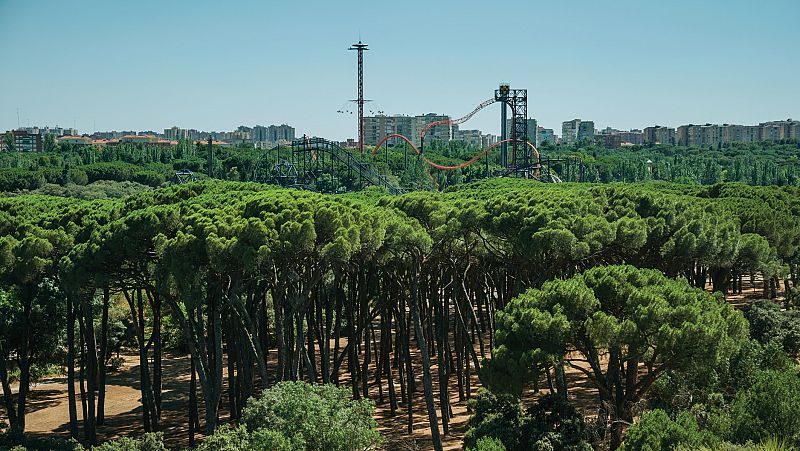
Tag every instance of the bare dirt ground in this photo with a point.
(48, 412)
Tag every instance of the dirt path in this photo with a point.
(48, 412)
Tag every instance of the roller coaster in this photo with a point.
(316, 163)
(319, 164)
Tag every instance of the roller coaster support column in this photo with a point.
(519, 111)
(501, 95)
(517, 99)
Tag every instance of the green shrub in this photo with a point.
(148, 442)
(552, 423)
(15, 442)
(498, 416)
(656, 431)
(769, 324)
(78, 176)
(768, 409)
(488, 444)
(322, 417)
(238, 439)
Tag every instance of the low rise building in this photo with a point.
(75, 140)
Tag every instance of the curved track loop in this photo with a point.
(472, 161)
(460, 120)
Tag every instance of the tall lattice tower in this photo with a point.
(360, 48)
(517, 100)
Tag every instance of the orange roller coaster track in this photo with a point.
(470, 162)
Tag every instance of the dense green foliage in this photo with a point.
(148, 442)
(314, 417)
(762, 163)
(768, 324)
(551, 423)
(620, 326)
(397, 294)
(766, 411)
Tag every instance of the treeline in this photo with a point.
(361, 290)
(140, 163)
(763, 163)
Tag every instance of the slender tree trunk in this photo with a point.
(352, 359)
(426, 365)
(89, 430)
(8, 397)
(441, 365)
(82, 372)
(73, 410)
(340, 299)
(277, 305)
(212, 409)
(393, 405)
(101, 394)
(233, 408)
(193, 420)
(326, 349)
(155, 306)
(24, 361)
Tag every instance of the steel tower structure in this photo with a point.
(360, 48)
(517, 100)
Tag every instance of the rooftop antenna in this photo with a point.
(18, 117)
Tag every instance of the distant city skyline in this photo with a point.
(152, 65)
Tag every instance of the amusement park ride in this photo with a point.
(310, 158)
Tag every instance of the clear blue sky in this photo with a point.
(146, 64)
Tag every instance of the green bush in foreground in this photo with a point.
(488, 444)
(655, 431)
(315, 417)
(287, 417)
(764, 413)
(768, 409)
(148, 442)
(238, 439)
(552, 423)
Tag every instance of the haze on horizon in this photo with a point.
(150, 65)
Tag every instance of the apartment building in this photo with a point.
(659, 135)
(532, 127)
(24, 141)
(741, 133)
(378, 127)
(576, 130)
(545, 135)
(569, 131)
